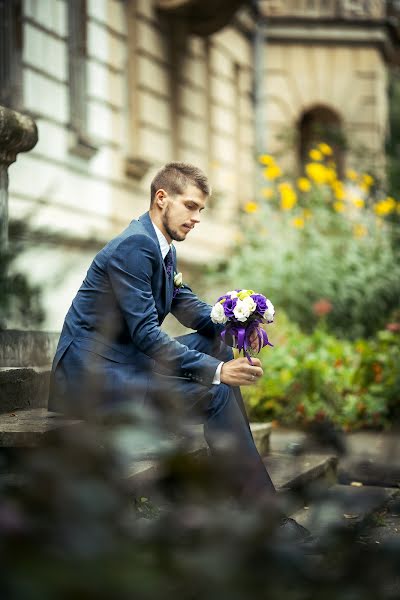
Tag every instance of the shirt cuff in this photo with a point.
(217, 376)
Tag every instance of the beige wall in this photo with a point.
(139, 107)
(350, 80)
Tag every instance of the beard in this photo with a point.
(174, 234)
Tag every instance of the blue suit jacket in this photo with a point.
(114, 321)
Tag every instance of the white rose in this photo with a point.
(178, 280)
(232, 294)
(269, 313)
(241, 311)
(250, 304)
(218, 314)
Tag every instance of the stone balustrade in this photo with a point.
(322, 9)
(18, 133)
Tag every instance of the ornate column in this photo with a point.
(18, 133)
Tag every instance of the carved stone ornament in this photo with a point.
(203, 17)
(18, 133)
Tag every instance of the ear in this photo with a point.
(161, 197)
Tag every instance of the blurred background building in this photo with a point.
(119, 87)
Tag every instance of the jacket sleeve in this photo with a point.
(130, 269)
(194, 313)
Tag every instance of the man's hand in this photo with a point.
(240, 372)
(254, 339)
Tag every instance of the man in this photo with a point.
(112, 349)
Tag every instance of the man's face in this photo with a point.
(182, 212)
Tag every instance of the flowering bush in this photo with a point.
(321, 238)
(310, 378)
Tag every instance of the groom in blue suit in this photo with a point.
(112, 349)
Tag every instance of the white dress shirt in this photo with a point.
(165, 247)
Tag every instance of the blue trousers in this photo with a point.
(226, 426)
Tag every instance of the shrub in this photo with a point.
(321, 239)
(313, 377)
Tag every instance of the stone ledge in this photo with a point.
(344, 506)
(28, 428)
(20, 348)
(289, 471)
(23, 388)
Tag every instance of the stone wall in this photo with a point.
(154, 94)
(350, 80)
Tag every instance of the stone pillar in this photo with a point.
(18, 133)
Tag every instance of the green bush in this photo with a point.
(313, 377)
(296, 268)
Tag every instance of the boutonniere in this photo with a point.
(178, 283)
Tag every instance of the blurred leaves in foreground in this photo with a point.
(71, 527)
(20, 300)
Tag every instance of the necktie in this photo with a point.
(168, 260)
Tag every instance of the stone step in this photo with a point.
(23, 387)
(370, 471)
(28, 428)
(293, 478)
(343, 506)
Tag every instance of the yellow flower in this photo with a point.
(288, 196)
(338, 190)
(338, 206)
(367, 180)
(272, 171)
(330, 175)
(315, 154)
(267, 192)
(385, 207)
(359, 230)
(316, 172)
(358, 202)
(304, 184)
(244, 294)
(298, 222)
(251, 207)
(351, 174)
(266, 159)
(325, 149)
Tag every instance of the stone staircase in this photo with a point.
(306, 481)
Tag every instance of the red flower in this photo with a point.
(394, 327)
(322, 307)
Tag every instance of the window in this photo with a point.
(77, 42)
(321, 124)
(11, 53)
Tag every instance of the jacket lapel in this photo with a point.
(145, 220)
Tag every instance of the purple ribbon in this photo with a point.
(241, 335)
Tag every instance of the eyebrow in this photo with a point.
(194, 202)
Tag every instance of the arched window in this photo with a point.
(321, 124)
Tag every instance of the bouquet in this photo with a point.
(242, 312)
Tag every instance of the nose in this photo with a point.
(196, 217)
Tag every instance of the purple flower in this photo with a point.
(229, 306)
(261, 302)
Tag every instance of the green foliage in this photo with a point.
(295, 268)
(20, 301)
(313, 377)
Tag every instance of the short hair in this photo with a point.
(174, 178)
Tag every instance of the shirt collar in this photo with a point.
(164, 246)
